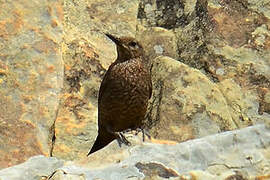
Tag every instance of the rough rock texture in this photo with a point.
(157, 42)
(54, 54)
(226, 40)
(87, 54)
(225, 94)
(31, 78)
(86, 17)
(37, 167)
(185, 103)
(79, 99)
(241, 154)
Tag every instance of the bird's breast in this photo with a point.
(131, 76)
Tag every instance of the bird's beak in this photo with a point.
(114, 39)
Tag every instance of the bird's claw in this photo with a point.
(138, 130)
(122, 139)
(144, 133)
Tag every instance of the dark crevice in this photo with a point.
(53, 142)
(52, 132)
(154, 117)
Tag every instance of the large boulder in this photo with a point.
(31, 78)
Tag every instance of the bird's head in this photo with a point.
(127, 47)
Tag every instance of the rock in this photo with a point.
(239, 154)
(75, 126)
(185, 103)
(166, 14)
(188, 32)
(60, 174)
(37, 167)
(242, 105)
(53, 56)
(213, 40)
(116, 17)
(157, 42)
(87, 54)
(243, 54)
(31, 78)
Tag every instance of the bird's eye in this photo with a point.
(132, 44)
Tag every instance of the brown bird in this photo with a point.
(124, 93)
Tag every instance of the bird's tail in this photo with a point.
(102, 140)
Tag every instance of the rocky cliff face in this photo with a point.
(210, 59)
(31, 78)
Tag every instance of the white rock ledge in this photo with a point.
(239, 154)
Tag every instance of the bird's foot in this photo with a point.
(144, 133)
(122, 139)
(137, 131)
(128, 130)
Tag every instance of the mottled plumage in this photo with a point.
(123, 94)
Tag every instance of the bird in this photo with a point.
(123, 94)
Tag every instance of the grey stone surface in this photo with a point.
(53, 56)
(35, 168)
(242, 153)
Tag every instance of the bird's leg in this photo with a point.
(118, 136)
(144, 133)
(137, 130)
(121, 139)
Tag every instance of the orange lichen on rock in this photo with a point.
(46, 46)
(51, 69)
(161, 141)
(265, 177)
(11, 26)
(22, 144)
(58, 10)
(54, 23)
